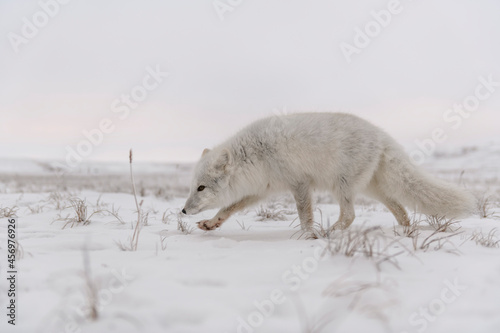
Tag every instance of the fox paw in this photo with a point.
(208, 224)
(310, 235)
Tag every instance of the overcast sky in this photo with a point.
(265, 57)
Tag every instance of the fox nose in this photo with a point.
(184, 211)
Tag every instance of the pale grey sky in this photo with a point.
(264, 56)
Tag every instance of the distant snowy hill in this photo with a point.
(34, 167)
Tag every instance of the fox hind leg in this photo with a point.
(399, 212)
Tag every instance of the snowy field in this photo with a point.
(79, 271)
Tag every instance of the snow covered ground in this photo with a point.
(255, 274)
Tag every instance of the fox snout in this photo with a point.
(193, 205)
(187, 210)
(191, 208)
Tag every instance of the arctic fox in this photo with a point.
(337, 152)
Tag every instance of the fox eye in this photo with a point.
(201, 188)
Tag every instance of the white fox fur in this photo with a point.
(337, 152)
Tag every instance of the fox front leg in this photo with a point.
(211, 224)
(347, 214)
(226, 212)
(303, 199)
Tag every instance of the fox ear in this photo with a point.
(224, 161)
(206, 150)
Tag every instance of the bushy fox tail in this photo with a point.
(406, 183)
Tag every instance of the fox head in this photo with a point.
(210, 185)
